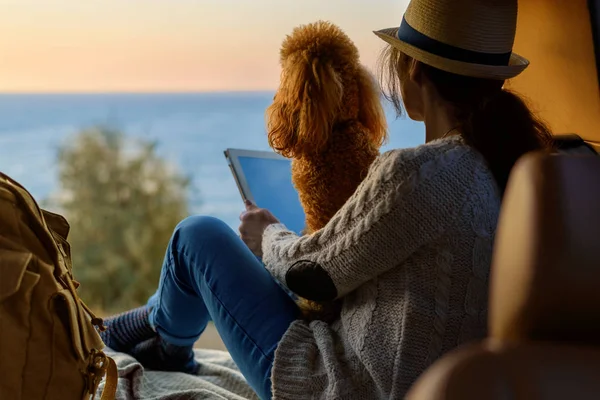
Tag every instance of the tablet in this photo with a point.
(266, 179)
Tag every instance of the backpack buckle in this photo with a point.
(96, 370)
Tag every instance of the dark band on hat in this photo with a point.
(410, 35)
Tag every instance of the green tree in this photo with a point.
(122, 203)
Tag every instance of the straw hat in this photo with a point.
(465, 37)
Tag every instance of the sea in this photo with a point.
(191, 131)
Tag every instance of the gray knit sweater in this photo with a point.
(409, 255)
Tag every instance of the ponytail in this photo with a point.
(493, 120)
(503, 128)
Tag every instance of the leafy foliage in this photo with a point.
(122, 204)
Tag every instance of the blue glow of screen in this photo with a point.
(270, 182)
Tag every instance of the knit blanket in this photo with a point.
(217, 378)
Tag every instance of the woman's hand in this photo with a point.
(254, 222)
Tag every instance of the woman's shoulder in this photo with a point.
(447, 166)
(441, 154)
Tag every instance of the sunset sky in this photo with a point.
(167, 45)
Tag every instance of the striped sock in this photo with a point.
(126, 330)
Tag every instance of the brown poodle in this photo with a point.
(327, 116)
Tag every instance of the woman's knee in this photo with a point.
(201, 230)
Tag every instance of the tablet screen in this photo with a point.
(270, 182)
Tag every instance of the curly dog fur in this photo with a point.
(327, 116)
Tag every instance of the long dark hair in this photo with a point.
(495, 121)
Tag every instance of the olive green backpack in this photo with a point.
(49, 346)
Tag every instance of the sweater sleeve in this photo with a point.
(407, 200)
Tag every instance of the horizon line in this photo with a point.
(133, 92)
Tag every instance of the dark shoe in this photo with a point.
(157, 354)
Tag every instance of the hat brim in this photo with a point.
(515, 66)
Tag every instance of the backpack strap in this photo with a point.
(110, 387)
(104, 366)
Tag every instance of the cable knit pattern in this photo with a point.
(484, 229)
(409, 255)
(442, 303)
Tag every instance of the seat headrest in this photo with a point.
(519, 371)
(545, 281)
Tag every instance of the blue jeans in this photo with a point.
(209, 274)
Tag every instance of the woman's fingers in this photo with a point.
(254, 221)
(253, 214)
(250, 205)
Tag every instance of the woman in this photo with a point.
(408, 254)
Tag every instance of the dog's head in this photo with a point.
(322, 83)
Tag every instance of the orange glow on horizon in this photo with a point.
(167, 46)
